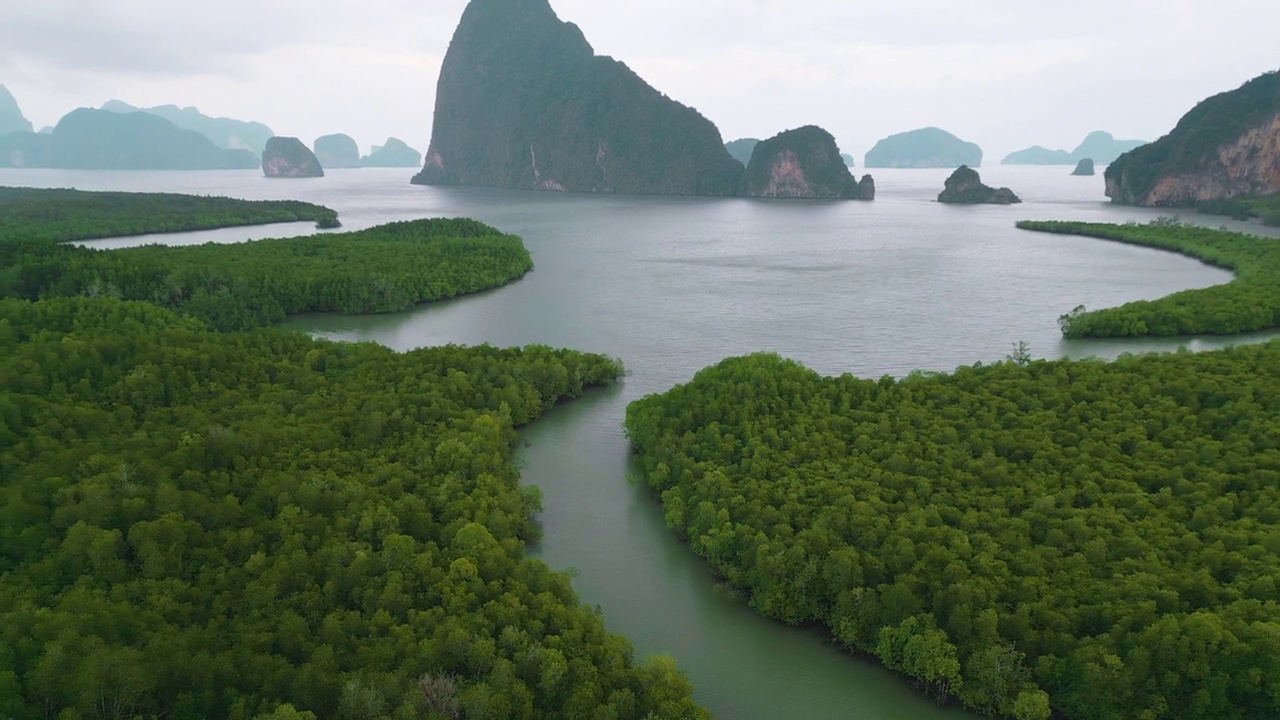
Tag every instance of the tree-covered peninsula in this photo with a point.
(1084, 540)
(62, 215)
(1248, 303)
(235, 287)
(266, 526)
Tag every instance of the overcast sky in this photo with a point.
(1005, 74)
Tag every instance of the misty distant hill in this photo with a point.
(337, 151)
(1103, 149)
(11, 118)
(88, 139)
(1100, 147)
(224, 132)
(1038, 155)
(23, 149)
(929, 147)
(741, 149)
(393, 153)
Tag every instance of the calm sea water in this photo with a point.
(671, 285)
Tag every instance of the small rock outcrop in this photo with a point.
(929, 147)
(394, 153)
(337, 151)
(965, 187)
(11, 117)
(523, 101)
(1226, 147)
(802, 163)
(288, 157)
(1085, 168)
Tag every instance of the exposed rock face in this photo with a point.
(337, 151)
(395, 153)
(11, 118)
(802, 163)
(928, 147)
(287, 157)
(1227, 147)
(524, 102)
(1085, 168)
(87, 139)
(224, 132)
(965, 187)
(741, 149)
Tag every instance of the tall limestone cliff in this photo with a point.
(1227, 147)
(802, 163)
(524, 102)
